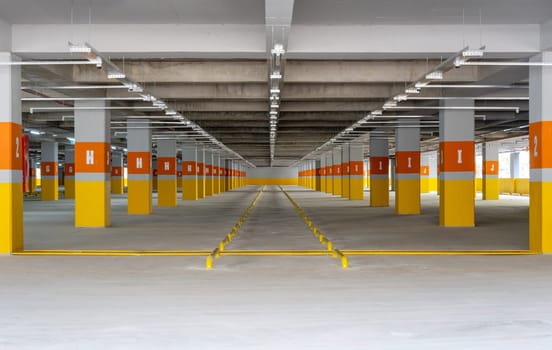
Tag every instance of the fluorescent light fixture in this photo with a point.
(472, 53)
(459, 62)
(75, 48)
(170, 112)
(116, 75)
(421, 84)
(377, 112)
(71, 139)
(436, 75)
(389, 104)
(412, 90)
(401, 97)
(349, 129)
(273, 113)
(135, 88)
(35, 132)
(275, 76)
(274, 91)
(273, 117)
(274, 106)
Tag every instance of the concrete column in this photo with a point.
(490, 186)
(392, 173)
(11, 159)
(92, 165)
(179, 174)
(216, 173)
(139, 167)
(407, 170)
(336, 171)
(190, 182)
(117, 172)
(200, 172)
(154, 174)
(166, 173)
(457, 164)
(514, 165)
(379, 172)
(329, 172)
(345, 184)
(540, 155)
(208, 173)
(222, 163)
(367, 173)
(33, 175)
(424, 173)
(356, 172)
(69, 172)
(49, 171)
(318, 176)
(229, 184)
(322, 173)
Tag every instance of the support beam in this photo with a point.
(379, 171)
(139, 166)
(166, 173)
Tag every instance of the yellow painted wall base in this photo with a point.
(49, 190)
(117, 185)
(336, 186)
(424, 185)
(345, 186)
(329, 185)
(166, 193)
(456, 203)
(69, 188)
(139, 197)
(407, 198)
(356, 189)
(540, 220)
(189, 190)
(11, 218)
(272, 181)
(92, 204)
(490, 189)
(379, 193)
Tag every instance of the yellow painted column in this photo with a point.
(92, 165)
(424, 172)
(457, 164)
(407, 171)
(11, 159)
(190, 188)
(179, 174)
(318, 177)
(490, 184)
(166, 173)
(49, 171)
(540, 155)
(154, 173)
(322, 173)
(345, 184)
(69, 172)
(379, 172)
(356, 172)
(336, 171)
(117, 173)
(139, 168)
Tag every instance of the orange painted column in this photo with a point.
(379, 172)
(139, 167)
(69, 172)
(407, 172)
(490, 186)
(117, 173)
(166, 173)
(189, 173)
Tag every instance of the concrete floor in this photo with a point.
(381, 302)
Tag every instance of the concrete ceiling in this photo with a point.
(228, 95)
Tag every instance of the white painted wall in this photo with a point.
(272, 173)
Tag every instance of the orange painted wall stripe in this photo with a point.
(356, 167)
(69, 169)
(408, 162)
(101, 153)
(336, 169)
(200, 169)
(379, 165)
(189, 168)
(132, 162)
(117, 171)
(457, 156)
(49, 168)
(8, 144)
(162, 162)
(491, 167)
(540, 138)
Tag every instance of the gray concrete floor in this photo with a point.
(381, 302)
